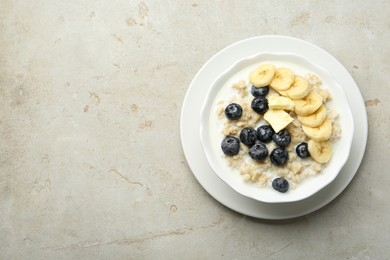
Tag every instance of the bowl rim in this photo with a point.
(205, 114)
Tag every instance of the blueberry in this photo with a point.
(260, 105)
(280, 184)
(302, 150)
(282, 138)
(258, 152)
(230, 145)
(265, 133)
(233, 111)
(279, 156)
(248, 136)
(262, 91)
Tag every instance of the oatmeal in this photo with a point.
(284, 129)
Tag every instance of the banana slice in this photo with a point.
(320, 151)
(315, 119)
(319, 133)
(283, 93)
(299, 89)
(262, 76)
(283, 79)
(278, 119)
(309, 104)
(278, 102)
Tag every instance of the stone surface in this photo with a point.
(91, 165)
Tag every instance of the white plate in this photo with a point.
(190, 127)
(211, 125)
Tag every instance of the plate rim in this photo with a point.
(362, 138)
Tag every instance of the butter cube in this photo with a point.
(278, 119)
(278, 102)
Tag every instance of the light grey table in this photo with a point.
(91, 164)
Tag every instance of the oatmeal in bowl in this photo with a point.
(276, 128)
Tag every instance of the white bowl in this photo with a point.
(211, 136)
